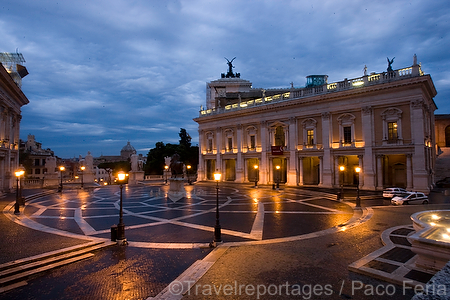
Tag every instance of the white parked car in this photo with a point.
(394, 191)
(411, 198)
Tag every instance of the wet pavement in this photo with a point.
(298, 237)
(153, 220)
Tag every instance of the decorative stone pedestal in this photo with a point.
(135, 176)
(176, 189)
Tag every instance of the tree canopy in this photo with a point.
(188, 154)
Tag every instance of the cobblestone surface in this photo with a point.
(117, 272)
(137, 273)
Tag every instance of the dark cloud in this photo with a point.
(106, 72)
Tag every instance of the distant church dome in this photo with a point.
(127, 151)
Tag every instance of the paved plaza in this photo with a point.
(247, 215)
(268, 231)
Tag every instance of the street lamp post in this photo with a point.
(18, 173)
(358, 200)
(217, 228)
(121, 226)
(166, 168)
(188, 168)
(82, 168)
(341, 172)
(278, 176)
(256, 175)
(61, 169)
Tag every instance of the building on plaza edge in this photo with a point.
(380, 122)
(11, 100)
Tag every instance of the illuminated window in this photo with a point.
(310, 137)
(392, 126)
(230, 144)
(309, 132)
(392, 131)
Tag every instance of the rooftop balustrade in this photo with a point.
(298, 93)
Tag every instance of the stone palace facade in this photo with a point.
(382, 123)
(11, 100)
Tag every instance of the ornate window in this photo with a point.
(229, 144)
(309, 133)
(229, 140)
(392, 126)
(278, 134)
(251, 138)
(346, 129)
(209, 142)
(310, 137)
(392, 132)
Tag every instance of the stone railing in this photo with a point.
(297, 93)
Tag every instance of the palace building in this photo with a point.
(11, 100)
(382, 123)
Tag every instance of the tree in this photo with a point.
(185, 138)
(188, 154)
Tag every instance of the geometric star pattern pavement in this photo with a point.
(247, 215)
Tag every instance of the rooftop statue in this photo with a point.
(389, 69)
(230, 73)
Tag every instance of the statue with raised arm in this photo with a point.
(389, 69)
(230, 68)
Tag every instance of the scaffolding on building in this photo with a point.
(12, 62)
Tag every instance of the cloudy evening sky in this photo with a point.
(106, 72)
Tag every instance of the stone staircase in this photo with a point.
(13, 274)
(442, 168)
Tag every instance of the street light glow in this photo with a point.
(121, 176)
(217, 176)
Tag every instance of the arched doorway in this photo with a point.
(447, 136)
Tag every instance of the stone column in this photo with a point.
(379, 172)
(409, 175)
(419, 171)
(327, 160)
(321, 170)
(292, 171)
(336, 170)
(361, 174)
(264, 166)
(201, 162)
(240, 177)
(300, 170)
(367, 133)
